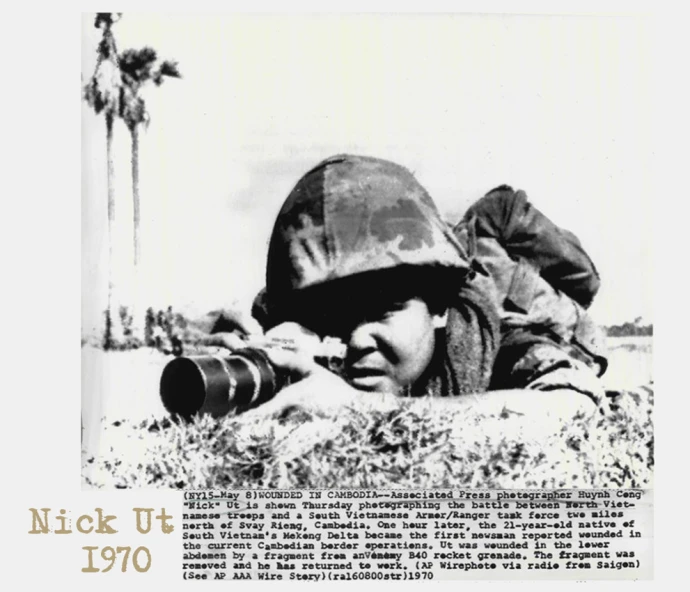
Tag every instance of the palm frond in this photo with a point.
(103, 90)
(106, 18)
(133, 109)
(139, 66)
(170, 68)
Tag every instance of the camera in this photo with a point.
(237, 380)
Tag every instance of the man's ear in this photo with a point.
(440, 320)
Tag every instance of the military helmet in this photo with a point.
(351, 215)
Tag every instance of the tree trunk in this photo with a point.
(138, 315)
(113, 330)
(135, 192)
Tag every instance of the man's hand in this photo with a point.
(313, 387)
(290, 346)
(231, 341)
(320, 393)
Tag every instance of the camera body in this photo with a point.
(238, 380)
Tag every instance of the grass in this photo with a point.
(416, 444)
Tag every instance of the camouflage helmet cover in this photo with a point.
(354, 214)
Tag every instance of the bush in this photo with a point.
(416, 444)
(630, 330)
(119, 333)
(164, 330)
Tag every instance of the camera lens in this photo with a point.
(183, 387)
(216, 385)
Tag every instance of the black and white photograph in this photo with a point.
(381, 251)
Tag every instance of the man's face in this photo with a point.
(389, 331)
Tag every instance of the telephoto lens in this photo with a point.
(216, 385)
(238, 380)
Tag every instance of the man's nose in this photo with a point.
(363, 336)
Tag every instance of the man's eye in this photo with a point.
(386, 309)
(398, 305)
(393, 306)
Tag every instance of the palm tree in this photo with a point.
(103, 93)
(139, 67)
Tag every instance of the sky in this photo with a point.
(558, 106)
